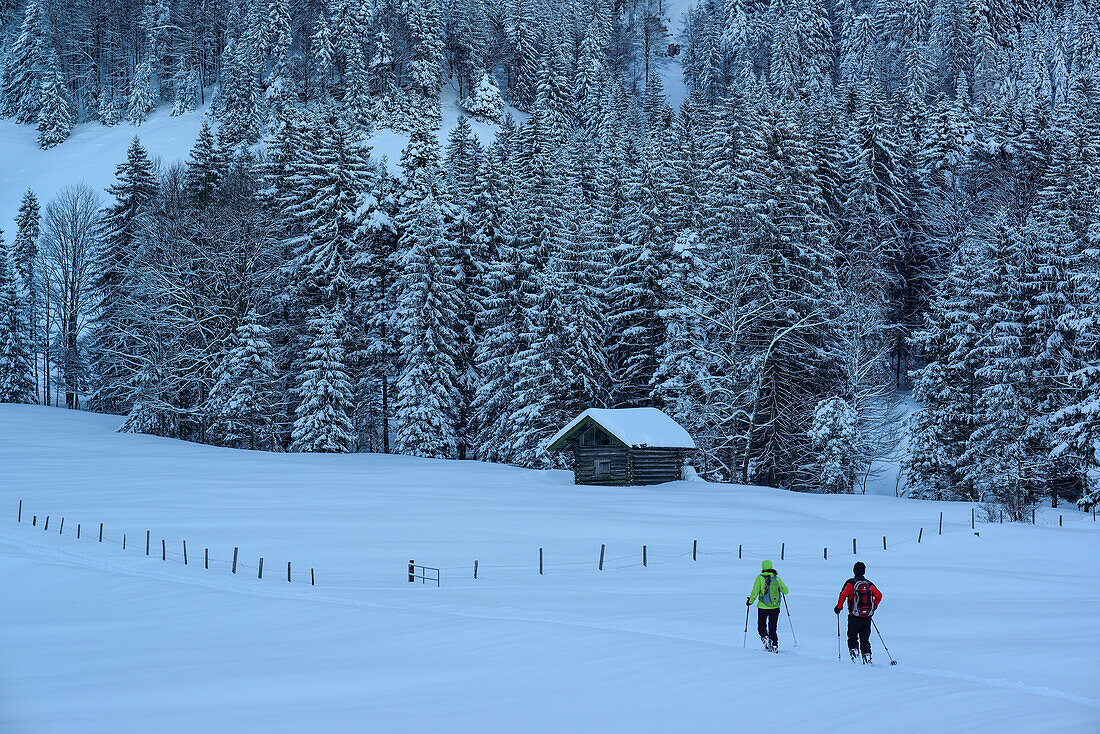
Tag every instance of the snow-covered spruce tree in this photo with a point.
(25, 259)
(142, 99)
(16, 378)
(185, 88)
(834, 436)
(55, 117)
(484, 100)
(25, 246)
(114, 285)
(239, 100)
(580, 263)
(204, 169)
(490, 233)
(427, 310)
(948, 387)
(1007, 453)
(1077, 422)
(635, 281)
(373, 349)
(798, 361)
(324, 391)
(240, 401)
(329, 209)
(428, 55)
(1060, 328)
(461, 168)
(872, 200)
(281, 88)
(26, 65)
(331, 175)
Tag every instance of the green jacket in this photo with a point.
(771, 601)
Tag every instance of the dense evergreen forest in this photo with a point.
(855, 199)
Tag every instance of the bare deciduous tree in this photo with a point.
(69, 237)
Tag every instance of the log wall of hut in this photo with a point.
(654, 466)
(588, 469)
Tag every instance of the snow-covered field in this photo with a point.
(993, 633)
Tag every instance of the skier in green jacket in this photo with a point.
(768, 589)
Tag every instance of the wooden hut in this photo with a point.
(624, 446)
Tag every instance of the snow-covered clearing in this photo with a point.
(89, 156)
(993, 633)
(93, 151)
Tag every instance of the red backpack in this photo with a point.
(862, 603)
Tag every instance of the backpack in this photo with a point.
(862, 603)
(766, 596)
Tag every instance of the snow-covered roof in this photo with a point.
(636, 427)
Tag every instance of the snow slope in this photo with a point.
(92, 152)
(89, 156)
(993, 633)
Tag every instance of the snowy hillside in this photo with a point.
(93, 151)
(995, 632)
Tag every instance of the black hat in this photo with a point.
(859, 568)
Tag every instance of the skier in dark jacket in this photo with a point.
(863, 598)
(768, 588)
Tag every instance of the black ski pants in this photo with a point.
(766, 621)
(859, 628)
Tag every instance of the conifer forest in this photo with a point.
(867, 231)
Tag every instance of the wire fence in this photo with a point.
(664, 554)
(178, 550)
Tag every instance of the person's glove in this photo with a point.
(748, 601)
(836, 609)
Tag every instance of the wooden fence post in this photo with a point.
(261, 574)
(185, 552)
(412, 571)
(921, 533)
(644, 561)
(540, 561)
(475, 570)
(234, 559)
(603, 547)
(694, 548)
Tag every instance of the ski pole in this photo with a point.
(838, 658)
(892, 661)
(788, 608)
(745, 640)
